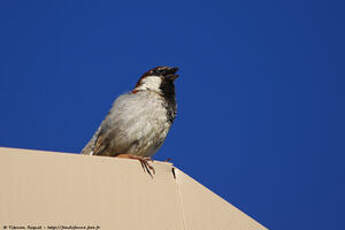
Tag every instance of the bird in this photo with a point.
(138, 122)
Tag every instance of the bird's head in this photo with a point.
(159, 79)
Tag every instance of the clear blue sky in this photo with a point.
(261, 92)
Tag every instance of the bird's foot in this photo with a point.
(144, 161)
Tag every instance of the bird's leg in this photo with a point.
(144, 161)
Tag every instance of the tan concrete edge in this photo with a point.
(51, 190)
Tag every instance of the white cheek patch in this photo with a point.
(150, 83)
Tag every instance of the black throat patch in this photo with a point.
(167, 88)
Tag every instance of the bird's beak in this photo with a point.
(173, 70)
(173, 76)
(171, 73)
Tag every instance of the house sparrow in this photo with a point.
(139, 121)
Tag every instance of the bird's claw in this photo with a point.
(144, 161)
(146, 165)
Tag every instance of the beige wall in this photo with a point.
(48, 190)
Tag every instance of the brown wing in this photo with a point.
(101, 144)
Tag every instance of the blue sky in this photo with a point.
(260, 97)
